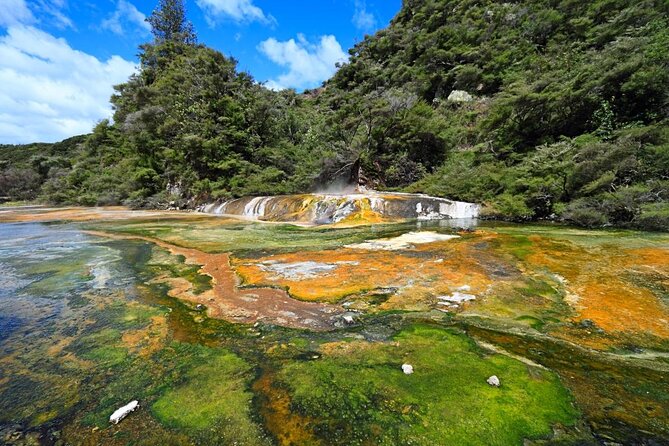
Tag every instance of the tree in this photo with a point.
(570, 116)
(168, 23)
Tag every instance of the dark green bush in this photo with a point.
(585, 213)
(19, 184)
(653, 217)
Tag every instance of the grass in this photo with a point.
(212, 400)
(587, 238)
(359, 395)
(106, 356)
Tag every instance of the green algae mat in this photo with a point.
(309, 349)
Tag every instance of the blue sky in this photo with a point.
(59, 58)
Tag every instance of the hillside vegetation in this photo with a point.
(560, 110)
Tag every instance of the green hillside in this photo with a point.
(567, 117)
(537, 109)
(25, 167)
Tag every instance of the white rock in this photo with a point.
(349, 319)
(460, 96)
(493, 381)
(123, 412)
(457, 297)
(407, 369)
(404, 241)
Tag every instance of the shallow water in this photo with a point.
(232, 332)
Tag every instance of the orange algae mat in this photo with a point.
(430, 269)
(616, 288)
(43, 214)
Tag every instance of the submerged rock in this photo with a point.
(346, 319)
(407, 369)
(494, 381)
(123, 412)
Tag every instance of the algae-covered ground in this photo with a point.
(248, 333)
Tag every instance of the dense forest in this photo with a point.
(543, 109)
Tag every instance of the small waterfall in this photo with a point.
(459, 209)
(332, 208)
(256, 207)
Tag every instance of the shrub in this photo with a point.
(510, 207)
(19, 184)
(653, 217)
(585, 213)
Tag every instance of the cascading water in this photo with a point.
(334, 208)
(256, 207)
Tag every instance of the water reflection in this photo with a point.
(456, 224)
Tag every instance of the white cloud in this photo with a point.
(14, 12)
(361, 18)
(126, 18)
(308, 64)
(51, 91)
(237, 10)
(53, 10)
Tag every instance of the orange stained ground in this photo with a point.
(38, 214)
(227, 301)
(366, 215)
(603, 280)
(288, 427)
(147, 340)
(418, 273)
